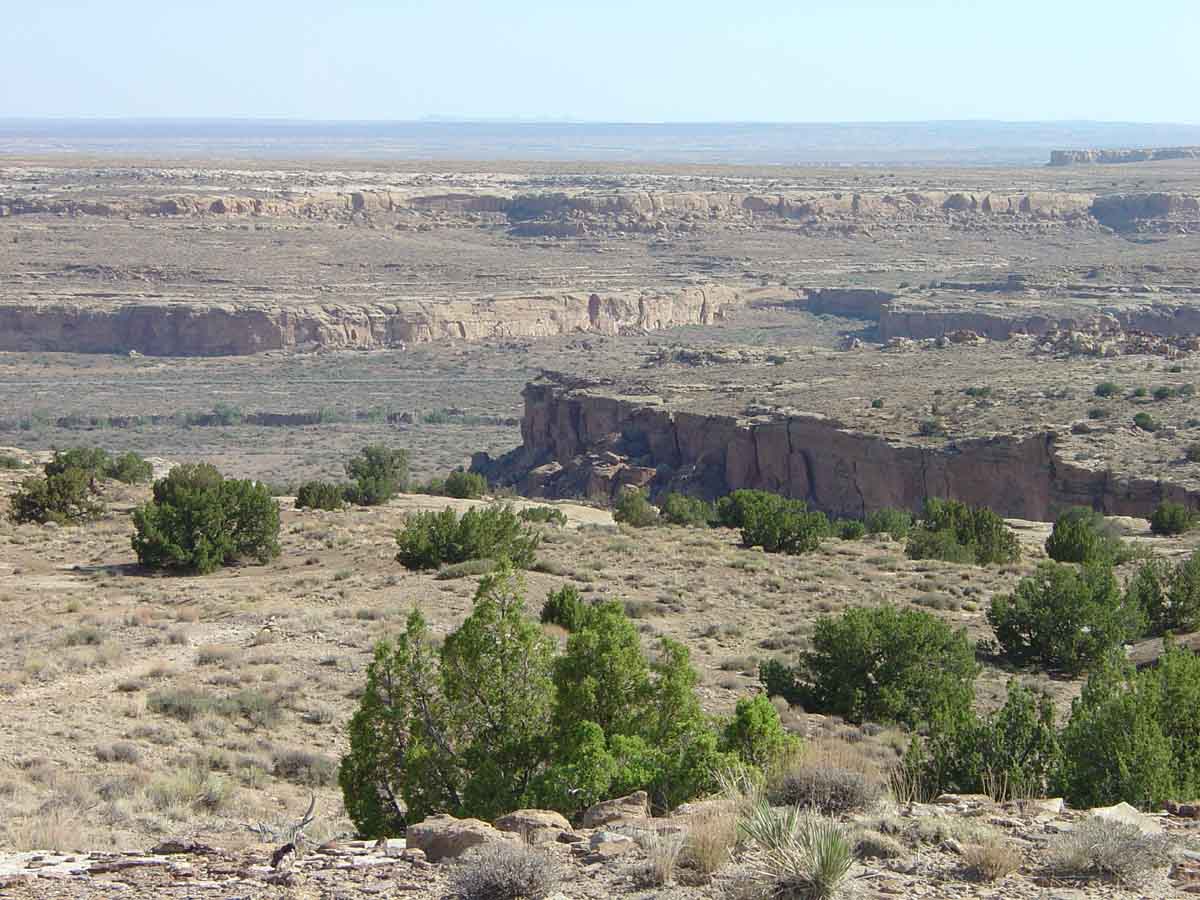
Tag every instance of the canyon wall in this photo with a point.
(232, 329)
(1073, 157)
(581, 442)
(560, 212)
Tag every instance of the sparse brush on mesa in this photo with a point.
(431, 539)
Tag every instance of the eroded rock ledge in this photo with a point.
(589, 440)
(234, 329)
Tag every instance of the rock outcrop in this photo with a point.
(233, 329)
(1075, 157)
(580, 441)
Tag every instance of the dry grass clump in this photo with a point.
(711, 836)
(870, 843)
(991, 860)
(1105, 850)
(663, 851)
(504, 872)
(830, 775)
(189, 789)
(119, 751)
(304, 767)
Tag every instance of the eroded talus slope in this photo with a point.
(199, 329)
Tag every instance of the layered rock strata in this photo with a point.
(232, 329)
(580, 441)
(1152, 154)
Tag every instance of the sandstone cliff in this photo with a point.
(578, 441)
(239, 329)
(1073, 157)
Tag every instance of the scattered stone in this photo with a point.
(445, 837)
(536, 826)
(1123, 812)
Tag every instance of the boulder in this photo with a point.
(445, 837)
(608, 844)
(536, 826)
(632, 807)
(1123, 812)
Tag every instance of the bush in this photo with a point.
(494, 721)
(465, 485)
(1145, 421)
(129, 468)
(690, 511)
(1192, 452)
(1064, 618)
(895, 522)
(849, 529)
(1171, 518)
(379, 473)
(780, 525)
(64, 498)
(91, 460)
(431, 539)
(547, 515)
(200, 521)
(1080, 535)
(827, 789)
(8, 461)
(304, 767)
(884, 665)
(1108, 389)
(634, 509)
(504, 872)
(991, 860)
(1164, 393)
(1108, 851)
(804, 856)
(980, 535)
(320, 495)
(565, 608)
(732, 509)
(1116, 745)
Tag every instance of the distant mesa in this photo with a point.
(1107, 157)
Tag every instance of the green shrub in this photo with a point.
(91, 460)
(732, 509)
(932, 428)
(1171, 518)
(1064, 618)
(1145, 421)
(1081, 535)
(494, 721)
(1115, 746)
(877, 403)
(849, 529)
(200, 521)
(431, 539)
(320, 495)
(8, 461)
(884, 665)
(565, 608)
(547, 515)
(981, 536)
(1168, 596)
(690, 511)
(1098, 412)
(1192, 452)
(64, 498)
(129, 468)
(1140, 392)
(465, 485)
(780, 525)
(1108, 389)
(379, 473)
(888, 520)
(755, 733)
(634, 509)
(1164, 393)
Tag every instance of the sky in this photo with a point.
(605, 60)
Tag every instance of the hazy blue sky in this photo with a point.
(614, 60)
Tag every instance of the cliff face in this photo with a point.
(579, 442)
(240, 329)
(1073, 157)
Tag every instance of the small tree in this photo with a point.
(1169, 597)
(200, 521)
(1080, 535)
(888, 520)
(982, 533)
(1171, 518)
(64, 497)
(379, 473)
(320, 495)
(780, 525)
(129, 468)
(689, 511)
(1063, 617)
(429, 539)
(886, 665)
(634, 509)
(465, 485)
